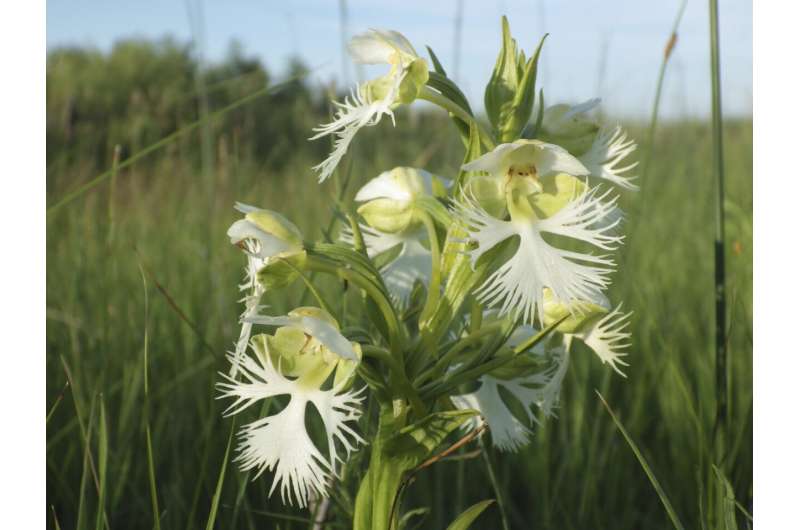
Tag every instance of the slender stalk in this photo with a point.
(673, 39)
(151, 474)
(498, 493)
(436, 266)
(112, 191)
(721, 357)
(428, 94)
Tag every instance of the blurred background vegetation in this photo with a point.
(142, 261)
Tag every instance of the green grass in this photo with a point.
(579, 472)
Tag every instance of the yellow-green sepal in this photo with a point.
(578, 313)
(282, 269)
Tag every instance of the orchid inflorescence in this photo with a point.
(474, 284)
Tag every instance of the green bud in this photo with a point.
(511, 90)
(392, 195)
(387, 215)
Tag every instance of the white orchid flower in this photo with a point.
(263, 235)
(292, 365)
(369, 102)
(316, 324)
(389, 200)
(541, 390)
(526, 158)
(518, 284)
(601, 150)
(595, 323)
(607, 336)
(604, 159)
(280, 442)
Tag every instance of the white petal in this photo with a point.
(581, 108)
(280, 443)
(508, 433)
(353, 114)
(323, 331)
(607, 337)
(412, 264)
(604, 159)
(519, 283)
(493, 161)
(542, 390)
(254, 291)
(388, 185)
(378, 46)
(555, 159)
(268, 245)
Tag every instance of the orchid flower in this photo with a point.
(519, 283)
(369, 102)
(605, 157)
(595, 323)
(297, 361)
(389, 210)
(263, 235)
(601, 150)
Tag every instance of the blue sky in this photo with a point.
(626, 36)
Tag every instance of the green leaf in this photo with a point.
(469, 515)
(417, 441)
(673, 515)
(726, 500)
(422, 513)
(437, 65)
(212, 515)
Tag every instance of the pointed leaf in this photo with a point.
(469, 515)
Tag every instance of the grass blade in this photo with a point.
(151, 473)
(212, 515)
(673, 39)
(673, 515)
(469, 515)
(102, 462)
(56, 403)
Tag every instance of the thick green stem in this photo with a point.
(379, 488)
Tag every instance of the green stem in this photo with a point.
(389, 315)
(721, 353)
(444, 361)
(434, 286)
(659, 85)
(428, 94)
(498, 493)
